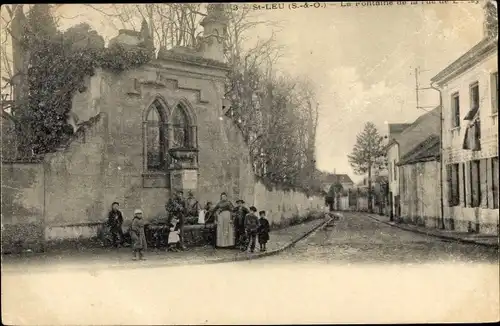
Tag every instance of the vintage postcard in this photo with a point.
(250, 163)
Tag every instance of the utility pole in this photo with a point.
(441, 169)
(418, 89)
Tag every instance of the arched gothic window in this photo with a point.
(155, 137)
(181, 128)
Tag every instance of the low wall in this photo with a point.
(23, 202)
(31, 200)
(360, 204)
(282, 205)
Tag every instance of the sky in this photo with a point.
(360, 58)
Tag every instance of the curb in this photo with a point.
(158, 264)
(272, 252)
(439, 236)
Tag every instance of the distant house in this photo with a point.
(400, 144)
(392, 154)
(469, 92)
(331, 179)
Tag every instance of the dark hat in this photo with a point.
(262, 213)
(240, 201)
(253, 209)
(115, 203)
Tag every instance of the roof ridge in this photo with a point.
(423, 147)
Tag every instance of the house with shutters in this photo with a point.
(333, 179)
(469, 93)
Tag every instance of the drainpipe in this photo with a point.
(442, 226)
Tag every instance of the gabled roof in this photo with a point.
(391, 142)
(395, 130)
(337, 178)
(425, 126)
(427, 150)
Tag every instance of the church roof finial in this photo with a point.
(215, 12)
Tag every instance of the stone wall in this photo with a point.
(23, 202)
(281, 205)
(420, 193)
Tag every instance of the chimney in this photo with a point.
(490, 22)
(214, 31)
(145, 34)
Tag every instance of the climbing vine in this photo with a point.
(56, 71)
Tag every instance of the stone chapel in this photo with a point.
(147, 132)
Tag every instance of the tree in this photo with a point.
(38, 116)
(368, 155)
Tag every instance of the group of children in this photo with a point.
(248, 228)
(251, 228)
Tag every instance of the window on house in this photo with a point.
(455, 110)
(494, 92)
(475, 183)
(474, 96)
(494, 186)
(155, 137)
(181, 128)
(453, 185)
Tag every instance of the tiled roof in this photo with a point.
(427, 150)
(337, 178)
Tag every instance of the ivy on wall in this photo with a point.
(56, 70)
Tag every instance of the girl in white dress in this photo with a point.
(173, 235)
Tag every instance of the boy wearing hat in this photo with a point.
(263, 230)
(115, 222)
(138, 235)
(251, 226)
(240, 211)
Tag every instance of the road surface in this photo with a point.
(358, 271)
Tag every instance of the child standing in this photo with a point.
(209, 229)
(251, 227)
(173, 235)
(138, 235)
(115, 222)
(263, 230)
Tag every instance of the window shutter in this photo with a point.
(449, 185)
